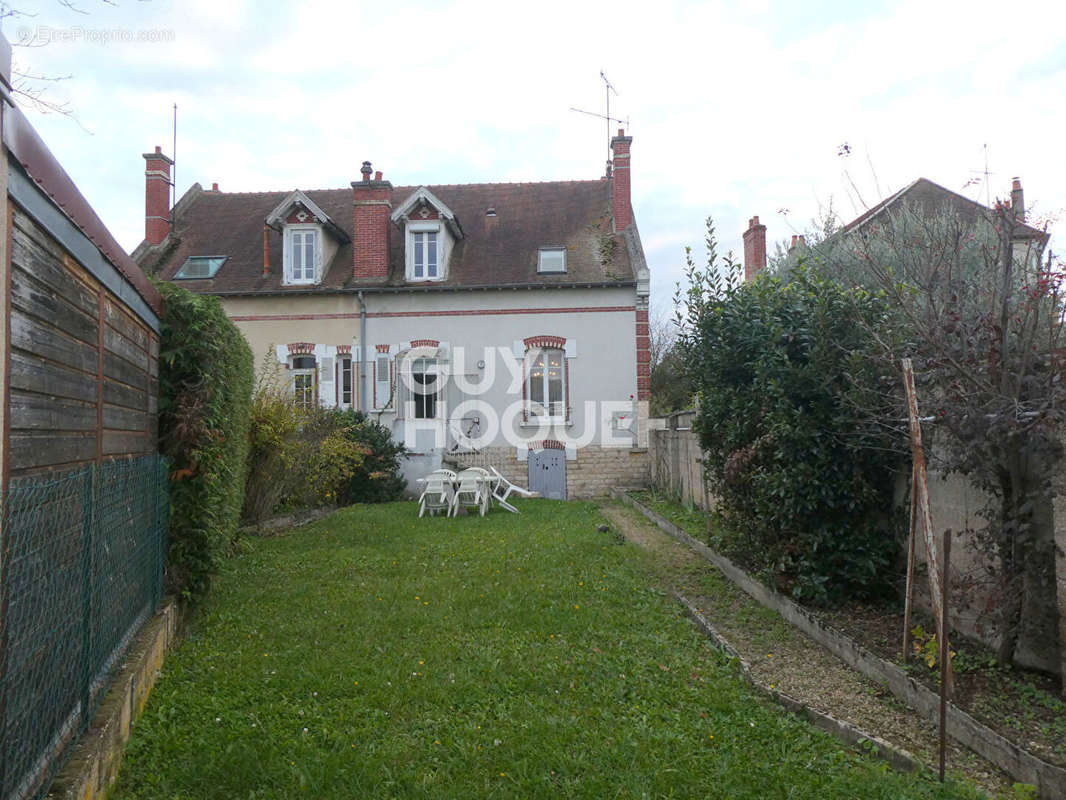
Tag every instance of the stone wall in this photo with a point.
(593, 472)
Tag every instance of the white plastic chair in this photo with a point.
(503, 488)
(472, 490)
(439, 494)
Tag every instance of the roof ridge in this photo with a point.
(411, 186)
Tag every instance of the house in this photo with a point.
(494, 323)
(922, 195)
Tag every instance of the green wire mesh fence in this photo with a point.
(82, 569)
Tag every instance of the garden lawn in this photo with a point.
(374, 654)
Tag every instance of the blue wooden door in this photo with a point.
(547, 473)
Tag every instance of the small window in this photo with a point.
(424, 388)
(425, 254)
(551, 259)
(200, 267)
(546, 384)
(346, 381)
(304, 383)
(301, 255)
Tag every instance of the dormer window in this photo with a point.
(431, 231)
(310, 239)
(302, 253)
(551, 259)
(424, 254)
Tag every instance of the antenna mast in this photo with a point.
(174, 155)
(608, 88)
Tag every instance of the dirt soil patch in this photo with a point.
(785, 658)
(1020, 705)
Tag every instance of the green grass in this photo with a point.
(373, 654)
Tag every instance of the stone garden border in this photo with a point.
(1020, 764)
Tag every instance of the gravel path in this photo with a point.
(788, 660)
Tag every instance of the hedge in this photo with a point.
(206, 374)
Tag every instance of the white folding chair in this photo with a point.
(472, 489)
(503, 488)
(439, 493)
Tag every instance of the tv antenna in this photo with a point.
(608, 88)
(986, 174)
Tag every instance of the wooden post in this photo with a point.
(945, 653)
(932, 555)
(909, 598)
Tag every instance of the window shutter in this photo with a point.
(327, 394)
(382, 385)
(286, 257)
(401, 388)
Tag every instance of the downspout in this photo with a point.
(362, 352)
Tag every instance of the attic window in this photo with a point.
(551, 259)
(200, 267)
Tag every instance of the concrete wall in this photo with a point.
(956, 506)
(676, 468)
(676, 461)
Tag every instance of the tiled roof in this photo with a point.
(494, 251)
(928, 196)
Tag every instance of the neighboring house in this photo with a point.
(926, 197)
(495, 323)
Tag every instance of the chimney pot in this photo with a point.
(622, 204)
(156, 196)
(214, 187)
(371, 226)
(1017, 200)
(377, 175)
(794, 239)
(754, 249)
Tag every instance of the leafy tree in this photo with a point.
(803, 482)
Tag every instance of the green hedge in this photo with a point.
(793, 403)
(205, 386)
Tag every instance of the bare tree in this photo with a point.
(983, 311)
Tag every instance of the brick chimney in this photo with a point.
(622, 207)
(754, 249)
(156, 196)
(372, 226)
(1017, 200)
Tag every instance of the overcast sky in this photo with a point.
(735, 109)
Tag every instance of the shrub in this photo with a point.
(377, 479)
(205, 386)
(303, 458)
(803, 477)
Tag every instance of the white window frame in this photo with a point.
(345, 366)
(414, 228)
(553, 250)
(532, 355)
(301, 372)
(316, 270)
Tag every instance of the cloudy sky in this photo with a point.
(735, 109)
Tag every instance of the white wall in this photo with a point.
(599, 324)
